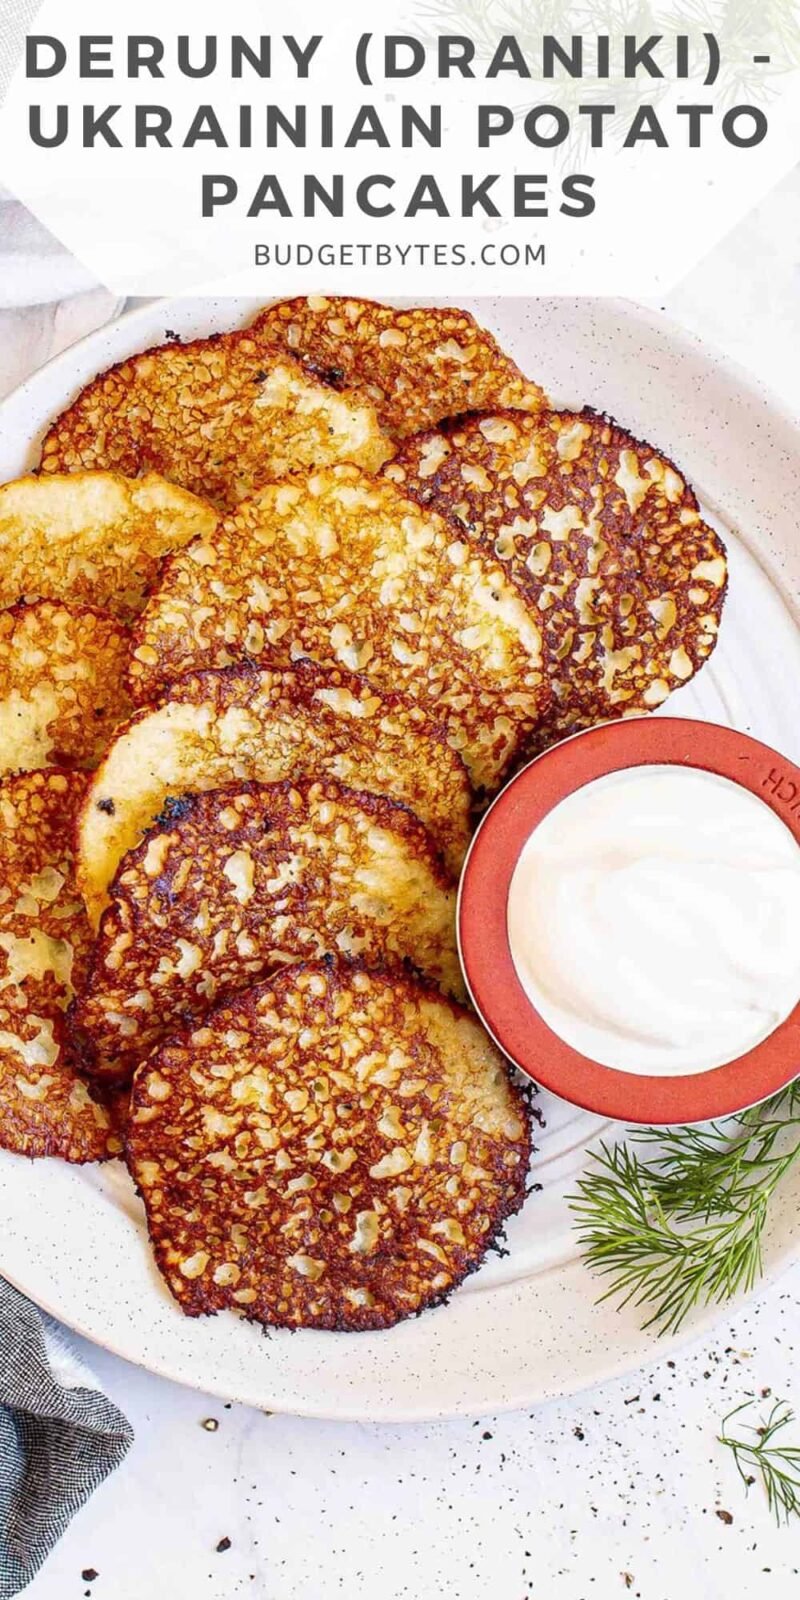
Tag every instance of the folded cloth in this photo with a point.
(34, 267)
(59, 1438)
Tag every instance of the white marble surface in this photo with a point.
(614, 1492)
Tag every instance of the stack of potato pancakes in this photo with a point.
(282, 609)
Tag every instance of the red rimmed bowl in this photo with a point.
(486, 958)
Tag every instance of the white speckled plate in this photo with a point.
(527, 1327)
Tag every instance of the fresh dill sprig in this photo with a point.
(777, 1465)
(685, 1226)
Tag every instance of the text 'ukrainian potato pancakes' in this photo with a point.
(602, 537)
(220, 416)
(335, 1149)
(416, 365)
(45, 1108)
(92, 538)
(62, 685)
(233, 884)
(244, 724)
(349, 572)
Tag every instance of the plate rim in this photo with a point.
(690, 1334)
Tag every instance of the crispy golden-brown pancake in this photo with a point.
(62, 685)
(220, 416)
(334, 1149)
(349, 572)
(243, 724)
(92, 538)
(232, 884)
(45, 1108)
(603, 538)
(415, 365)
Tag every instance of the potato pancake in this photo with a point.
(415, 365)
(336, 1148)
(230, 885)
(243, 724)
(62, 685)
(46, 1109)
(349, 572)
(220, 416)
(93, 538)
(603, 538)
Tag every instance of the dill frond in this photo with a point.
(684, 1226)
(777, 1464)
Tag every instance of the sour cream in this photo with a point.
(654, 920)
